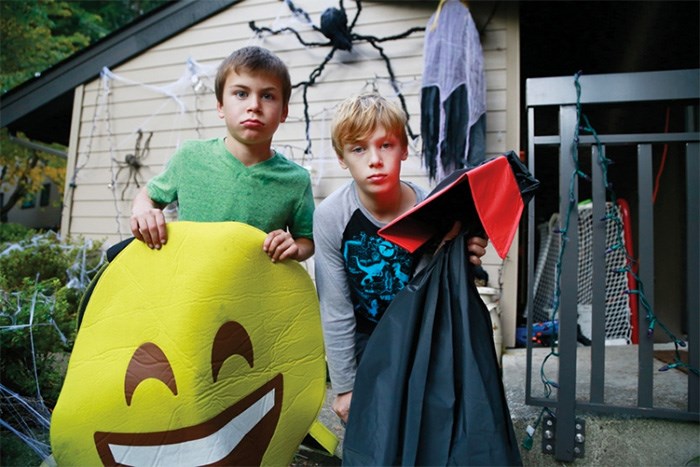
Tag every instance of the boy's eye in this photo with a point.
(240, 94)
(268, 96)
(357, 149)
(386, 145)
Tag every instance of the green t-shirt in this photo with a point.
(211, 185)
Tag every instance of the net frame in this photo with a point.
(619, 306)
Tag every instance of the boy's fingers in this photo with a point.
(135, 229)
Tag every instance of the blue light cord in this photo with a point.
(652, 319)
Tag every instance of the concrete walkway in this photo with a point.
(609, 440)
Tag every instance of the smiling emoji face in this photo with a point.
(202, 353)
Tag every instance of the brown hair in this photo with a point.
(358, 116)
(253, 59)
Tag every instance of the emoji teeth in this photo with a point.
(217, 446)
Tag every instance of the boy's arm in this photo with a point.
(337, 313)
(148, 221)
(280, 245)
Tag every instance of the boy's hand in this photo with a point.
(148, 221)
(149, 227)
(477, 248)
(341, 405)
(280, 245)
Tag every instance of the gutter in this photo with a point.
(114, 49)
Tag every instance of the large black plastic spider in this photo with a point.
(134, 162)
(334, 26)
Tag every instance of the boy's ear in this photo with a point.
(341, 161)
(220, 109)
(285, 113)
(404, 156)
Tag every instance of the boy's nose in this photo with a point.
(254, 103)
(375, 160)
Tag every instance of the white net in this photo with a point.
(617, 308)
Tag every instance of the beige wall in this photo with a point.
(154, 92)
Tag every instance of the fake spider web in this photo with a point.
(128, 154)
(27, 416)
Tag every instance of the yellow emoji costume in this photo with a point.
(202, 353)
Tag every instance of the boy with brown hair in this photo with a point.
(238, 177)
(358, 273)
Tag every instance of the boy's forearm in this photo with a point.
(142, 202)
(305, 248)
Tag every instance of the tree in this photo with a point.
(23, 171)
(35, 35)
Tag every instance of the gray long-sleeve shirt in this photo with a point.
(357, 275)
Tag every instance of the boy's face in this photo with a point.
(252, 107)
(375, 163)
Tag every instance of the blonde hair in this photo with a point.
(358, 117)
(253, 59)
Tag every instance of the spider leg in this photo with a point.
(389, 38)
(136, 178)
(357, 13)
(126, 185)
(260, 29)
(137, 148)
(312, 79)
(296, 11)
(146, 147)
(121, 167)
(392, 80)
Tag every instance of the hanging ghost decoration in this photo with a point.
(453, 94)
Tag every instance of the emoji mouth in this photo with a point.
(239, 435)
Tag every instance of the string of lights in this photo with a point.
(630, 268)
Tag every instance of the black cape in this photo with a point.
(428, 390)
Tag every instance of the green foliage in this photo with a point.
(24, 171)
(12, 233)
(38, 310)
(37, 34)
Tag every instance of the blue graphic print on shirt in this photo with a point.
(376, 268)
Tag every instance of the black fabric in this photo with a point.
(454, 147)
(458, 204)
(430, 127)
(526, 182)
(428, 390)
(117, 248)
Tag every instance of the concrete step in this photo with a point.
(609, 440)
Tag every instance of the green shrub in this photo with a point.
(39, 308)
(10, 232)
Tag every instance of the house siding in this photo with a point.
(104, 130)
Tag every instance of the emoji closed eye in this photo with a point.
(231, 339)
(148, 361)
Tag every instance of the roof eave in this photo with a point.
(108, 52)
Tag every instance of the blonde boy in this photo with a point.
(357, 272)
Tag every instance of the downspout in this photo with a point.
(72, 162)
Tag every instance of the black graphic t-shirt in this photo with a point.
(376, 270)
(357, 274)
